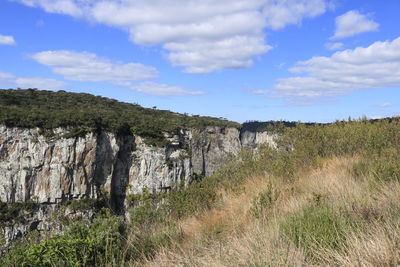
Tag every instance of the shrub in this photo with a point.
(146, 209)
(316, 226)
(263, 202)
(199, 196)
(383, 166)
(81, 245)
(86, 204)
(13, 212)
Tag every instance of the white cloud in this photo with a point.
(352, 23)
(10, 80)
(278, 14)
(334, 46)
(7, 40)
(68, 7)
(88, 67)
(385, 105)
(162, 89)
(83, 66)
(208, 56)
(375, 66)
(259, 92)
(200, 35)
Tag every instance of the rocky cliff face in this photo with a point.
(49, 170)
(55, 169)
(253, 139)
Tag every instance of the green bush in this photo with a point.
(316, 227)
(81, 245)
(199, 196)
(86, 204)
(383, 166)
(146, 209)
(14, 212)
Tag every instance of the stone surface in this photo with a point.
(54, 169)
(255, 138)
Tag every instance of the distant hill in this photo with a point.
(46, 109)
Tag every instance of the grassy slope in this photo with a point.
(323, 205)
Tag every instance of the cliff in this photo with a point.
(55, 169)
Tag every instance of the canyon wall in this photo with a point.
(54, 169)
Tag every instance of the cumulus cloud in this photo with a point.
(334, 46)
(68, 7)
(88, 67)
(352, 23)
(10, 80)
(200, 35)
(375, 66)
(84, 66)
(279, 13)
(7, 40)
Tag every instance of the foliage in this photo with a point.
(14, 212)
(264, 201)
(201, 195)
(315, 227)
(86, 204)
(383, 166)
(81, 245)
(84, 113)
(146, 209)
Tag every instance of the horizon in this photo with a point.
(258, 60)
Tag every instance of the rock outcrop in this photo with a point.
(49, 169)
(54, 169)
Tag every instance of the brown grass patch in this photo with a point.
(230, 236)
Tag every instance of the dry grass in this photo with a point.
(231, 236)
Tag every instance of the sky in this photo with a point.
(295, 60)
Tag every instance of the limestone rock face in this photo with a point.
(158, 169)
(54, 169)
(45, 219)
(49, 170)
(191, 152)
(253, 139)
(211, 146)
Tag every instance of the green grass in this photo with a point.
(316, 226)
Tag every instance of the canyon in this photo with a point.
(50, 170)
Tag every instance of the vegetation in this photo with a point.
(327, 196)
(14, 212)
(86, 204)
(83, 113)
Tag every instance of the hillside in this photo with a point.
(328, 216)
(84, 113)
(327, 196)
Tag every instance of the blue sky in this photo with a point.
(307, 60)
